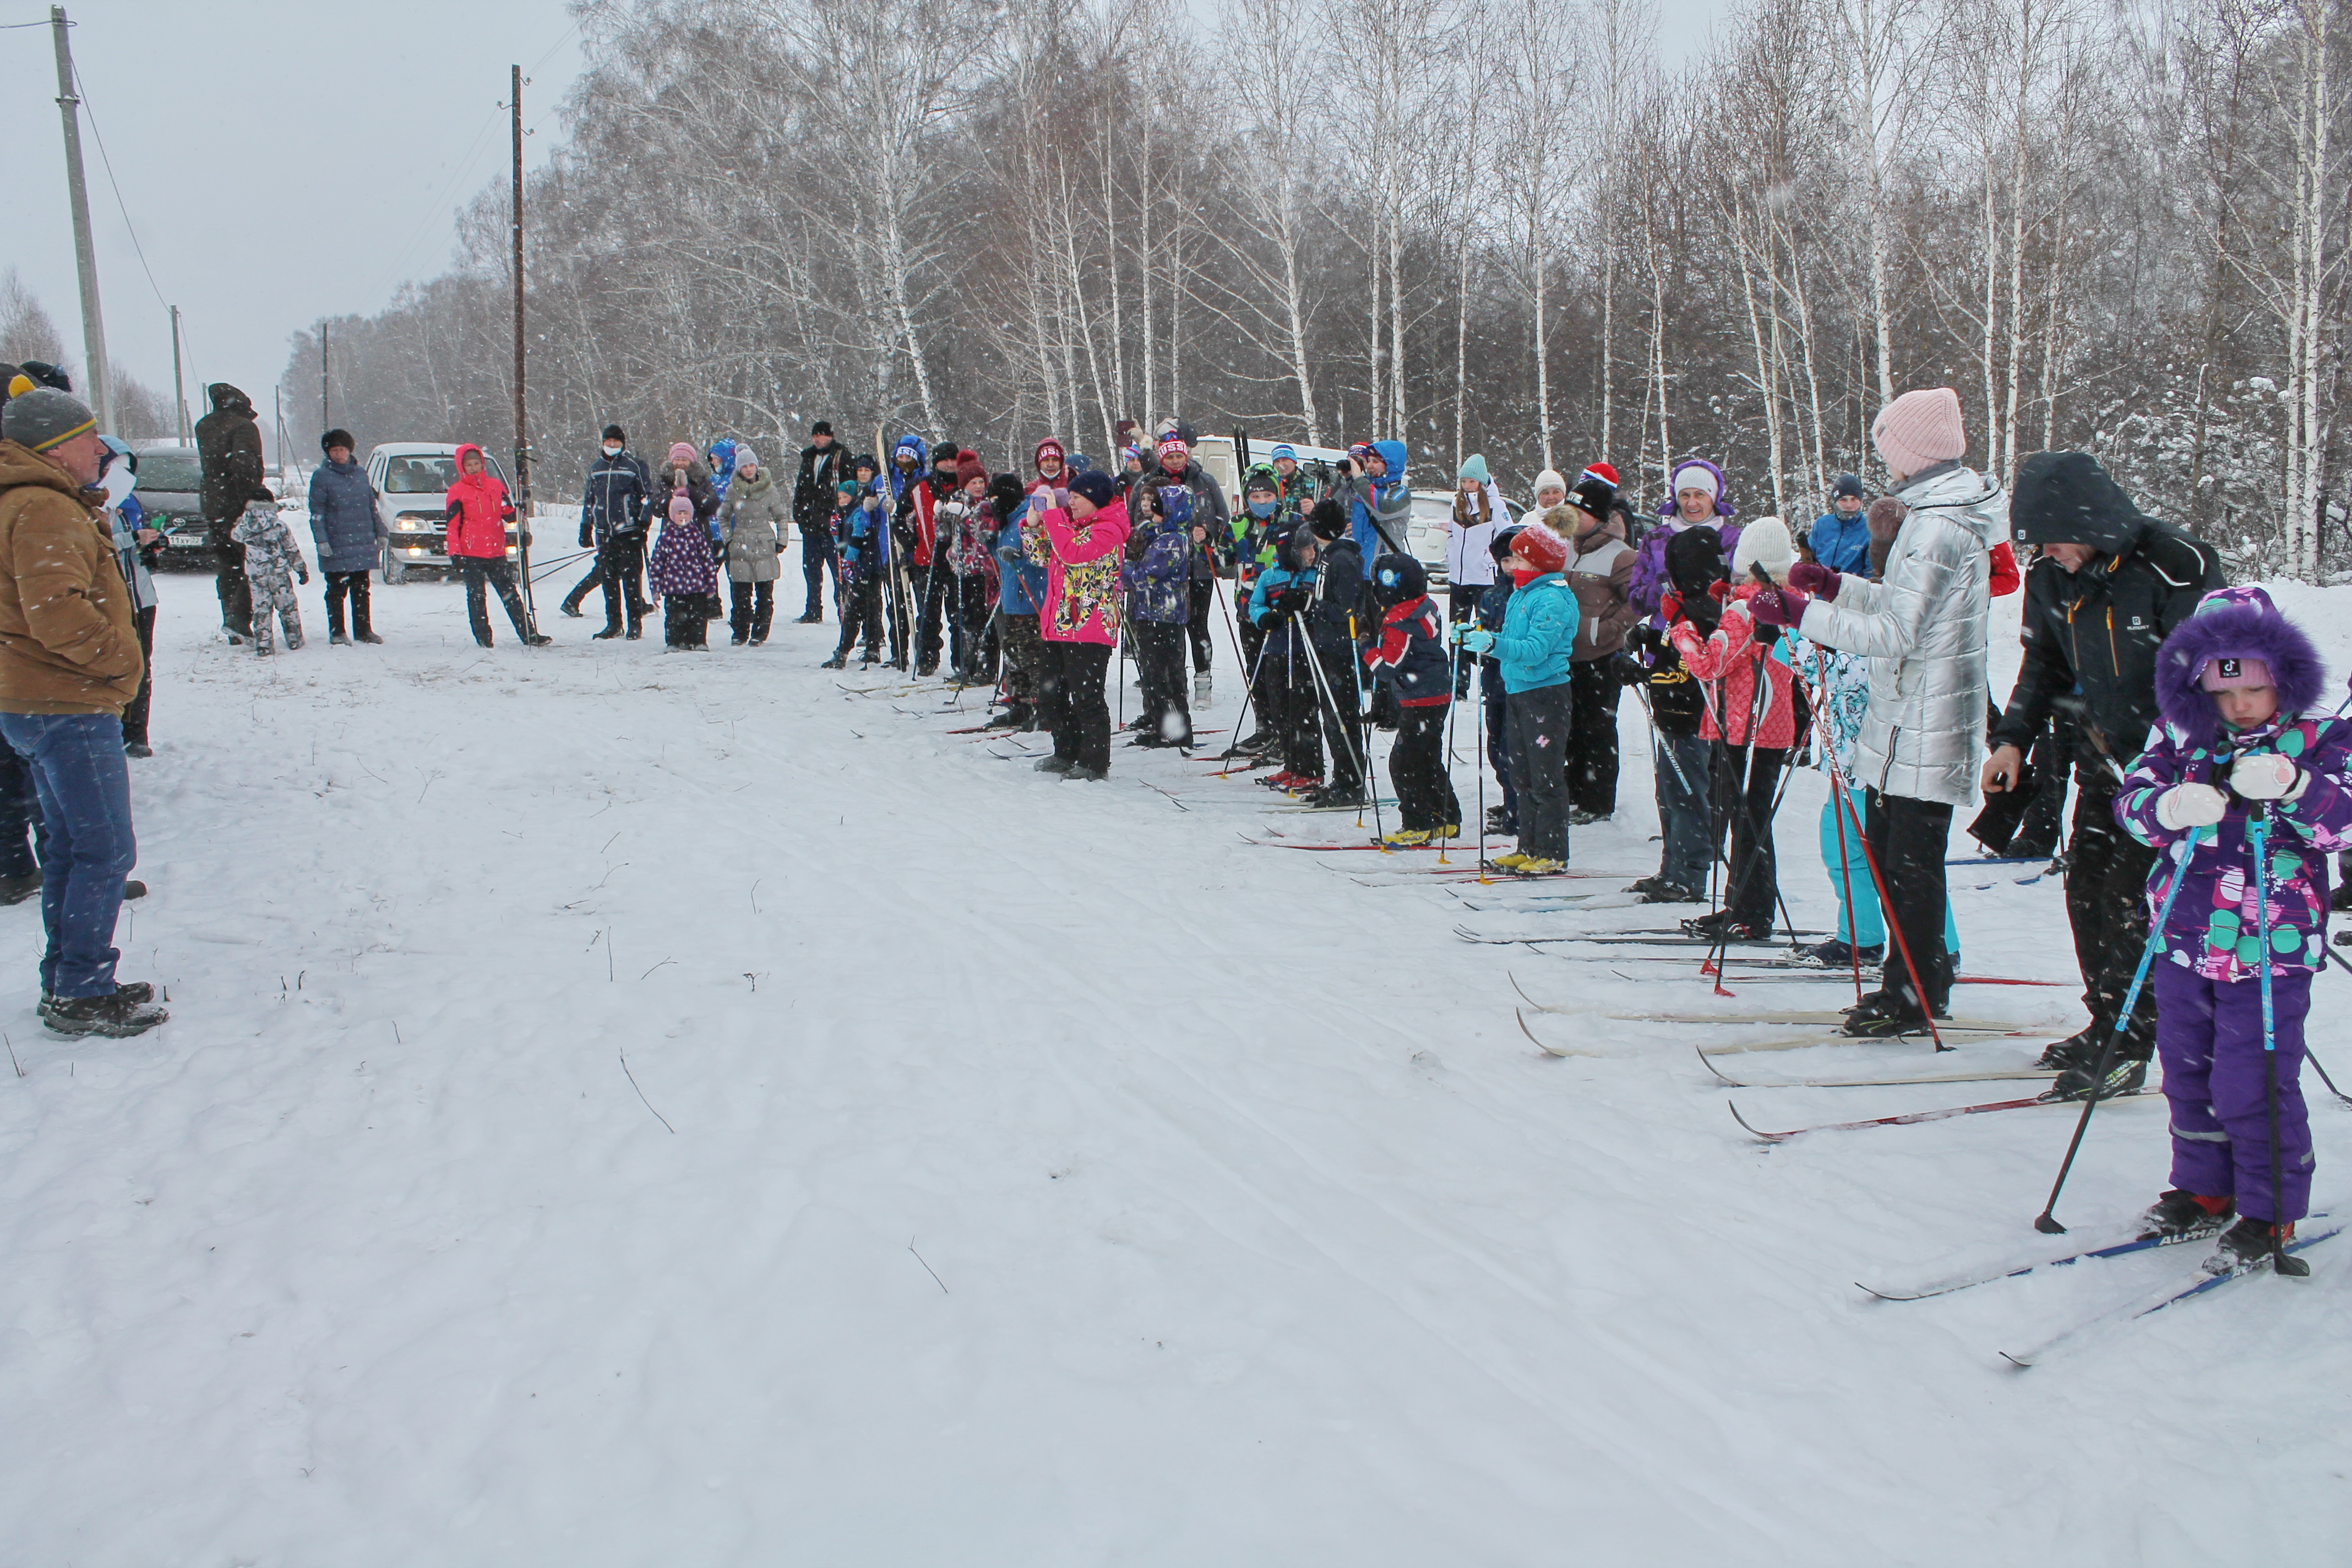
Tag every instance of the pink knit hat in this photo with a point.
(1920, 429)
(2232, 674)
(680, 454)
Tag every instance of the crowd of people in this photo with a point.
(2190, 713)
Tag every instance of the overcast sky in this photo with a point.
(285, 159)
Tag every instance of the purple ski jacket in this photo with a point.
(2213, 930)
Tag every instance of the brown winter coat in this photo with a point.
(67, 641)
(1600, 569)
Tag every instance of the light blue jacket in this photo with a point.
(1538, 634)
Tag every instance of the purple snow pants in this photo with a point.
(2209, 1035)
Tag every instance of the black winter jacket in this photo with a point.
(2098, 628)
(812, 490)
(614, 500)
(228, 445)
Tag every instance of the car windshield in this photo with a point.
(429, 474)
(179, 472)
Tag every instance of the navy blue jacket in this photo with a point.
(343, 523)
(614, 500)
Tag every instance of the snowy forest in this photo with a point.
(1490, 226)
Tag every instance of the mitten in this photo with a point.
(2190, 806)
(1813, 577)
(2267, 775)
(1778, 607)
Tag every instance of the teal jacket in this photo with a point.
(1538, 634)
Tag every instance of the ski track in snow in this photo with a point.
(1055, 1180)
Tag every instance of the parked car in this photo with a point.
(411, 480)
(171, 487)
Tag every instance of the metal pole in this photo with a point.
(326, 420)
(93, 326)
(179, 391)
(523, 435)
(277, 403)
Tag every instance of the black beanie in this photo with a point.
(822, 427)
(1096, 486)
(334, 438)
(615, 433)
(1328, 519)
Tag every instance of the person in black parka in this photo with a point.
(228, 443)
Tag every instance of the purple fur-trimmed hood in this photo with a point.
(2234, 622)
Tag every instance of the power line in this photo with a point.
(83, 87)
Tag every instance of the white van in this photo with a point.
(411, 480)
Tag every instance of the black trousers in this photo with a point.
(621, 572)
(1201, 598)
(686, 620)
(1253, 641)
(1593, 691)
(1298, 702)
(971, 650)
(1343, 713)
(1074, 705)
(1426, 798)
(1909, 838)
(352, 588)
(860, 598)
(2039, 828)
(482, 573)
(1498, 752)
(1539, 734)
(2106, 905)
(935, 582)
(1745, 778)
(228, 577)
(134, 712)
(751, 608)
(817, 563)
(1024, 660)
(1159, 659)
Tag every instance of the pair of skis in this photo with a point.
(2089, 1329)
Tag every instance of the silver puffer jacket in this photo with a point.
(1923, 629)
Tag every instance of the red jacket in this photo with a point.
(1726, 663)
(478, 512)
(2005, 575)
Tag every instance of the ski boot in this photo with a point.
(1305, 785)
(2078, 1052)
(2183, 1214)
(1446, 830)
(1836, 954)
(1055, 765)
(1338, 796)
(1579, 817)
(1883, 1014)
(1283, 780)
(1498, 820)
(1511, 861)
(607, 635)
(1010, 719)
(1658, 890)
(838, 661)
(2251, 1246)
(2124, 1077)
(1078, 773)
(1402, 839)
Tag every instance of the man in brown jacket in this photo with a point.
(70, 659)
(1601, 571)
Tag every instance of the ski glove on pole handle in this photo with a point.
(2267, 775)
(1813, 577)
(2190, 806)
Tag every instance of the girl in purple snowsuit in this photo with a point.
(2242, 731)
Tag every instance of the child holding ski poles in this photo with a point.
(1753, 724)
(1408, 661)
(2246, 763)
(1537, 635)
(1278, 605)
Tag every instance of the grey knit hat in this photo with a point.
(44, 417)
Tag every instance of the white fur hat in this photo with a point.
(1764, 541)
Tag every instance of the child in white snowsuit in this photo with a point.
(272, 564)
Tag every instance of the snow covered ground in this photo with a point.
(1020, 1172)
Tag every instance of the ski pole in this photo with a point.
(1249, 693)
(1355, 756)
(1355, 728)
(2047, 1221)
(1478, 739)
(2258, 835)
(1838, 804)
(1453, 717)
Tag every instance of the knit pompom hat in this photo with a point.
(1475, 469)
(970, 468)
(2232, 629)
(1096, 486)
(1541, 549)
(1764, 542)
(45, 417)
(682, 453)
(1919, 430)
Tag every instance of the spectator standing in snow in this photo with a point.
(1210, 549)
(1600, 569)
(1923, 629)
(822, 468)
(2107, 566)
(476, 517)
(136, 548)
(1840, 536)
(1086, 534)
(682, 567)
(613, 524)
(349, 535)
(272, 561)
(1530, 648)
(228, 445)
(1678, 708)
(69, 662)
(1478, 510)
(752, 522)
(1697, 497)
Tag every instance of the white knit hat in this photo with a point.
(1763, 543)
(1549, 480)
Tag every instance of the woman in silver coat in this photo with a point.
(1923, 626)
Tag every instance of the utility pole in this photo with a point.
(277, 403)
(326, 420)
(93, 329)
(179, 392)
(522, 430)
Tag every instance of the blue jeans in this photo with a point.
(1685, 783)
(84, 782)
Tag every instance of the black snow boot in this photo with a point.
(2124, 1077)
(1837, 954)
(1883, 1013)
(2247, 1246)
(2076, 1052)
(2180, 1214)
(114, 1015)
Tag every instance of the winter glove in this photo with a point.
(1813, 577)
(1670, 606)
(1647, 637)
(587, 538)
(304, 573)
(1778, 607)
(2267, 775)
(1477, 639)
(2190, 806)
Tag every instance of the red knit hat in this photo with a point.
(1540, 548)
(970, 468)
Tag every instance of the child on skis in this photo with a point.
(682, 568)
(1408, 661)
(1537, 635)
(1677, 704)
(861, 532)
(1752, 723)
(1494, 608)
(2243, 739)
(272, 561)
(1340, 616)
(1278, 607)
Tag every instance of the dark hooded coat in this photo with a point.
(229, 443)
